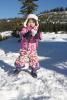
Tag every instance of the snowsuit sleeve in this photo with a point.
(24, 31)
(38, 36)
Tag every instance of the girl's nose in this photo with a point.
(30, 24)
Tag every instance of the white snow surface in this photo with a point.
(51, 83)
(6, 33)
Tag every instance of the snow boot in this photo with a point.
(17, 70)
(34, 74)
(33, 71)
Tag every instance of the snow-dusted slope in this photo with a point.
(51, 83)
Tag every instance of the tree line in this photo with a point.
(50, 27)
(16, 24)
(55, 10)
(29, 6)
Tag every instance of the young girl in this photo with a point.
(30, 37)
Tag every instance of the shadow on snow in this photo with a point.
(10, 45)
(7, 68)
(57, 52)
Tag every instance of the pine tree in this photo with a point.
(28, 6)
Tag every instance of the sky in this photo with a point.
(10, 8)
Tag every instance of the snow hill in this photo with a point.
(51, 83)
(54, 17)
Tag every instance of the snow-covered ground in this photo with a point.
(51, 83)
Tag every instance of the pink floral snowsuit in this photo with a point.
(28, 49)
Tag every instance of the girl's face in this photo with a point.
(31, 23)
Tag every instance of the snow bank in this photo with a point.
(54, 37)
(6, 33)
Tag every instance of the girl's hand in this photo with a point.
(27, 35)
(33, 32)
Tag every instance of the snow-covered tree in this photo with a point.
(28, 6)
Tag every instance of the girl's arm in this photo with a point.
(38, 36)
(24, 31)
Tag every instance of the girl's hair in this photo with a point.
(32, 20)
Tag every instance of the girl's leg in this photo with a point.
(33, 62)
(21, 60)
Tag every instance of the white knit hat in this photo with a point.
(31, 16)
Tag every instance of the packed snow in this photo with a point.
(51, 83)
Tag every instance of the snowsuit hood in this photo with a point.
(31, 16)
